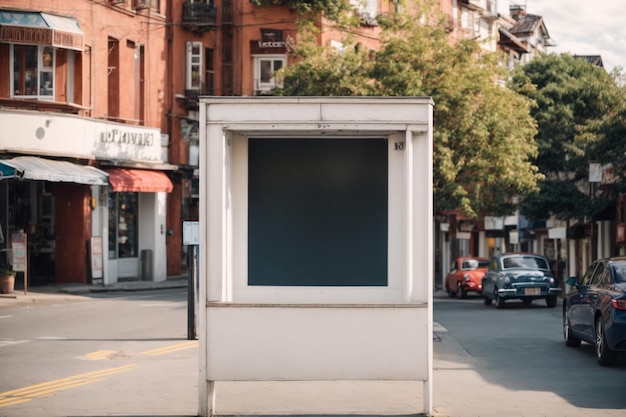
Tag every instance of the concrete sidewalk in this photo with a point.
(56, 293)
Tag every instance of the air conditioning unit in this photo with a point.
(118, 1)
(142, 4)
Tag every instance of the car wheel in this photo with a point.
(570, 339)
(604, 354)
(450, 293)
(551, 301)
(486, 300)
(499, 300)
(461, 291)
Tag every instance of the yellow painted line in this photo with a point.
(170, 349)
(21, 395)
(100, 355)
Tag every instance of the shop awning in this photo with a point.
(6, 172)
(40, 29)
(139, 180)
(33, 168)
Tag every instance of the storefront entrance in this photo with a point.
(123, 233)
(30, 208)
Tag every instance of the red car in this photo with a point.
(466, 275)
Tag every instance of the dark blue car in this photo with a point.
(519, 276)
(594, 311)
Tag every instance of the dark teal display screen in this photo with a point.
(317, 212)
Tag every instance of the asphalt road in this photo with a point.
(127, 354)
(520, 353)
(111, 354)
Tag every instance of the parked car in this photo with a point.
(594, 310)
(519, 276)
(465, 276)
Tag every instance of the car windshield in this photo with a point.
(532, 262)
(474, 263)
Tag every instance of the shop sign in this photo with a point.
(126, 137)
(494, 223)
(271, 42)
(18, 244)
(557, 233)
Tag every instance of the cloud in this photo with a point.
(582, 27)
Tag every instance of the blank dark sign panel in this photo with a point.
(317, 212)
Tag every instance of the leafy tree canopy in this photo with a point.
(483, 132)
(576, 108)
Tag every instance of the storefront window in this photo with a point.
(123, 240)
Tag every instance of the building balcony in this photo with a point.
(199, 17)
(191, 98)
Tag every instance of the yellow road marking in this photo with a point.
(170, 349)
(21, 395)
(100, 354)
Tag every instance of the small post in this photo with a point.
(191, 238)
(191, 292)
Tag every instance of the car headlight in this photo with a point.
(507, 280)
(466, 277)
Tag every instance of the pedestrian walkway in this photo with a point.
(56, 293)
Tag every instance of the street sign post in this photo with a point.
(191, 238)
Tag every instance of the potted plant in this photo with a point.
(7, 279)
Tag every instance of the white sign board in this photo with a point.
(96, 256)
(557, 233)
(191, 233)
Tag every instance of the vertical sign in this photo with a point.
(96, 257)
(191, 233)
(18, 244)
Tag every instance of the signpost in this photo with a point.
(191, 238)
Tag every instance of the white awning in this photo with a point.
(33, 168)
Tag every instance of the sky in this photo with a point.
(582, 27)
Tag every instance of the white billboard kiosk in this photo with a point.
(316, 233)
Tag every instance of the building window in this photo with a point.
(113, 87)
(209, 72)
(154, 5)
(264, 69)
(123, 225)
(194, 66)
(469, 24)
(33, 71)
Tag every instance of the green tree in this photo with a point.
(575, 103)
(483, 132)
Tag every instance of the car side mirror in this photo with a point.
(572, 281)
